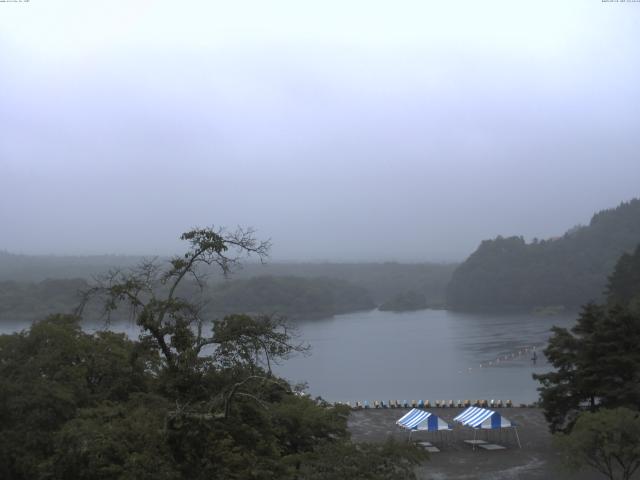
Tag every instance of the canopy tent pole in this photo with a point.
(517, 437)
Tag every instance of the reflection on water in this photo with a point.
(428, 355)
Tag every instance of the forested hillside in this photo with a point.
(34, 301)
(291, 296)
(569, 271)
(32, 287)
(382, 280)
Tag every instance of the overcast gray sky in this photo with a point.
(342, 130)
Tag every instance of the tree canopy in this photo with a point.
(607, 441)
(190, 399)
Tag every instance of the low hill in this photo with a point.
(36, 268)
(381, 280)
(405, 302)
(34, 301)
(294, 297)
(568, 271)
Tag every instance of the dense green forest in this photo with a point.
(76, 405)
(290, 296)
(568, 271)
(100, 406)
(381, 280)
(32, 287)
(293, 297)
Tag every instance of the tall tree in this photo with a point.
(597, 362)
(152, 290)
(188, 400)
(624, 282)
(155, 294)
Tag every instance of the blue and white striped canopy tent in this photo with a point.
(483, 418)
(422, 420)
(418, 419)
(477, 417)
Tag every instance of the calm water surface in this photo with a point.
(428, 354)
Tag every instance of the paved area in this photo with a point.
(458, 460)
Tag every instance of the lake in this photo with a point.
(428, 354)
